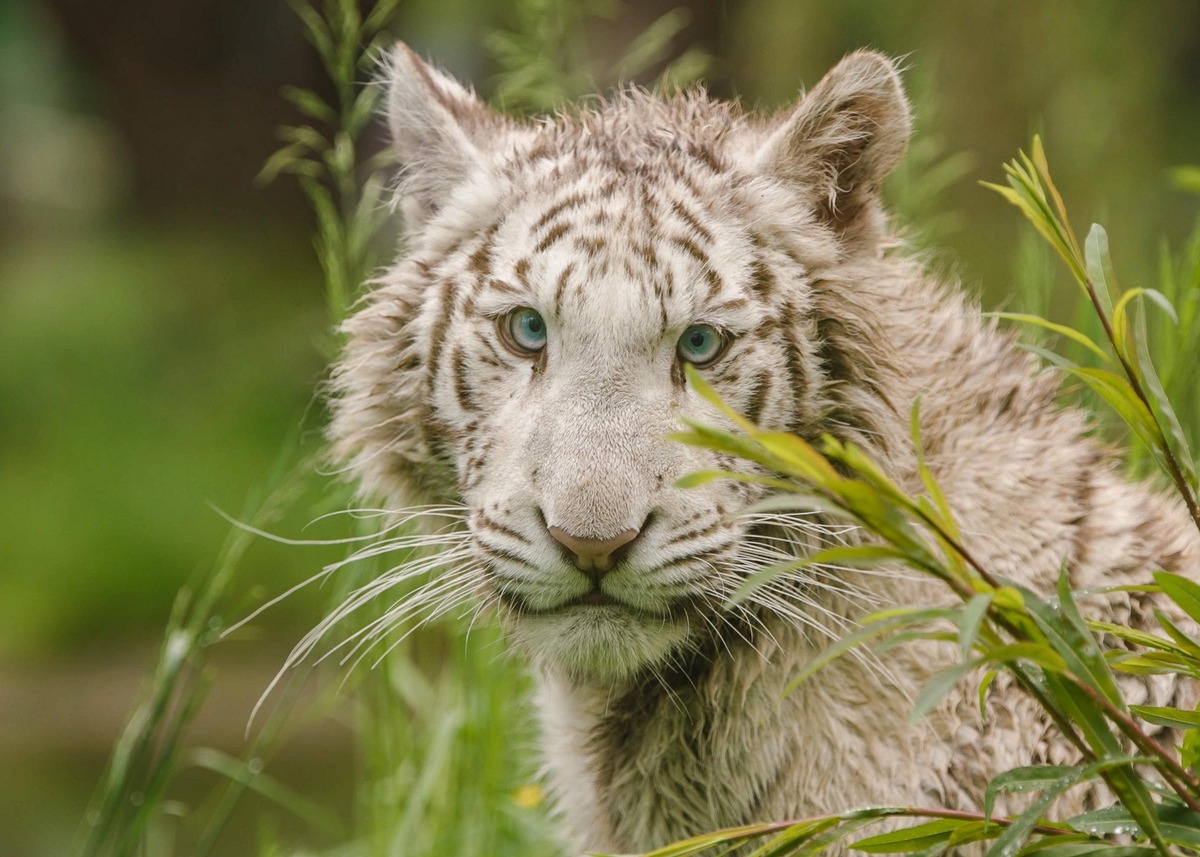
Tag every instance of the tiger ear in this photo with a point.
(440, 131)
(838, 142)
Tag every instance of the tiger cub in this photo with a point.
(521, 365)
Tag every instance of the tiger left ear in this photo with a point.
(840, 140)
(440, 132)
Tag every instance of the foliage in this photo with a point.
(1051, 651)
(1134, 390)
(346, 194)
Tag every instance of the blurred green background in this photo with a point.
(163, 325)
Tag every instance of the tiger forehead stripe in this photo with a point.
(762, 281)
(684, 212)
(551, 237)
(494, 284)
(715, 282)
(561, 287)
(646, 251)
(480, 261)
(731, 305)
(592, 245)
(521, 270)
(572, 200)
(650, 205)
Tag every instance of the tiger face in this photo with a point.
(524, 362)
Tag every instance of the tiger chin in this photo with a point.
(522, 362)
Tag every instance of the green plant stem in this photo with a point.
(219, 818)
(1181, 782)
(961, 550)
(1174, 470)
(964, 815)
(1173, 467)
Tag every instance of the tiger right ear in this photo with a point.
(439, 132)
(838, 143)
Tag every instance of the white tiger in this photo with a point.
(524, 360)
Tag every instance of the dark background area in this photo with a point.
(162, 317)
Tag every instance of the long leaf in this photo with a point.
(1179, 440)
(1099, 266)
(1061, 329)
(871, 629)
(706, 392)
(1179, 825)
(909, 839)
(1069, 637)
(1038, 654)
(940, 684)
(1175, 718)
(267, 786)
(1120, 396)
(1026, 779)
(1013, 838)
(1132, 635)
(1184, 592)
(859, 556)
(1188, 646)
(970, 619)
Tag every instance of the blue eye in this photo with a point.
(700, 345)
(524, 331)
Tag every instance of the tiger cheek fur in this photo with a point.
(613, 235)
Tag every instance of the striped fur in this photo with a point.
(622, 225)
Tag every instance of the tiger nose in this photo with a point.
(594, 556)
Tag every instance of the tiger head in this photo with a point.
(523, 361)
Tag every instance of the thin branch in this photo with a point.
(1182, 783)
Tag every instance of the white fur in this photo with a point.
(664, 713)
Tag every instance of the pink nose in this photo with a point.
(593, 555)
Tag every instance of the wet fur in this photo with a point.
(624, 223)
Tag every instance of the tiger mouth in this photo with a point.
(597, 598)
(593, 598)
